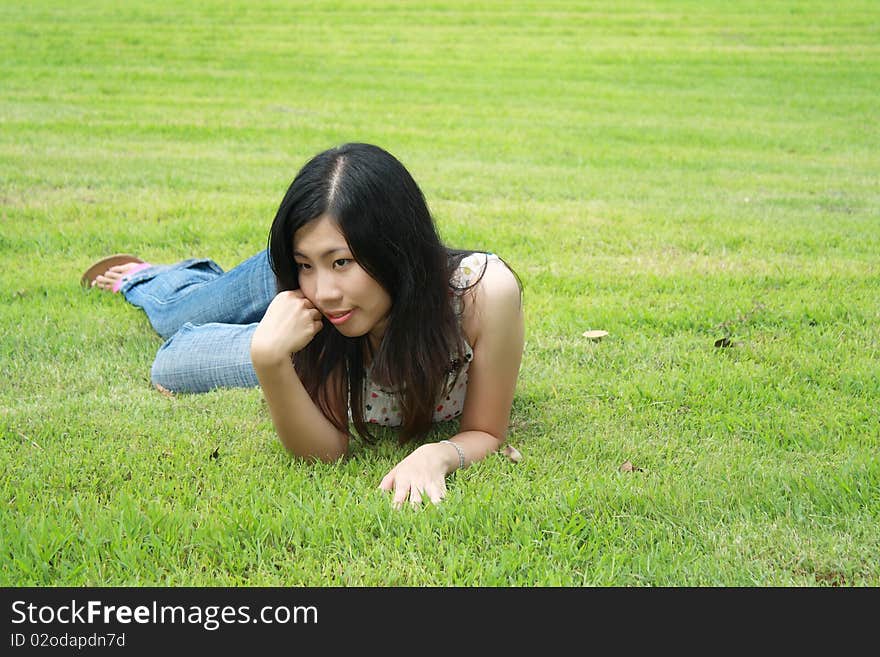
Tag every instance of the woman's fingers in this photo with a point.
(401, 492)
(387, 482)
(436, 493)
(415, 493)
(416, 490)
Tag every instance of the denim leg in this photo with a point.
(197, 291)
(202, 358)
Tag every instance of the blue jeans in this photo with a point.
(207, 318)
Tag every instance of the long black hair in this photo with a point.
(386, 222)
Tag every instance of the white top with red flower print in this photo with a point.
(382, 406)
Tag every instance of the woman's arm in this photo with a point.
(494, 325)
(493, 319)
(289, 324)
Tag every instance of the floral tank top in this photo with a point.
(382, 406)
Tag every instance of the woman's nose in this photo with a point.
(326, 288)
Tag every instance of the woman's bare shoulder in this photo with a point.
(494, 300)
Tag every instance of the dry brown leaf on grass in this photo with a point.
(595, 335)
(512, 453)
(627, 466)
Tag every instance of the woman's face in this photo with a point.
(336, 284)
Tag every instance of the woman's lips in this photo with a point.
(339, 318)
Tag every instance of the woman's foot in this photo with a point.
(112, 279)
(110, 273)
(165, 391)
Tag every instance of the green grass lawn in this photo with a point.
(671, 172)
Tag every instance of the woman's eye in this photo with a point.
(341, 262)
(301, 266)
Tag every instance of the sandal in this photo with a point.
(102, 265)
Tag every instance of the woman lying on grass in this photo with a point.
(376, 322)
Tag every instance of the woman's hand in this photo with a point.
(421, 474)
(290, 323)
